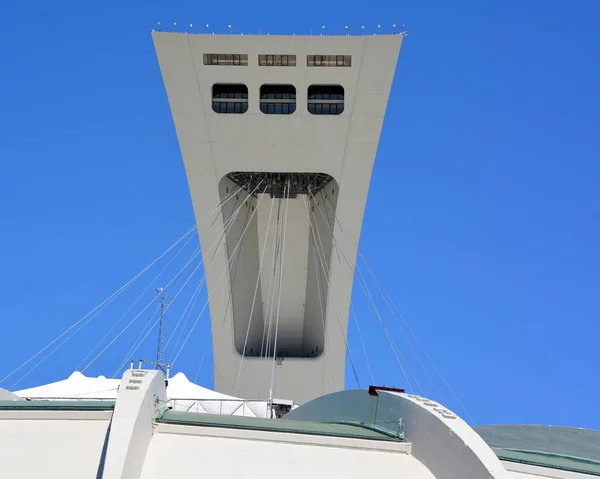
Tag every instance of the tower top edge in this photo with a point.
(267, 35)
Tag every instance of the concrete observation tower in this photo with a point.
(282, 132)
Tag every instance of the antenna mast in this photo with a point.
(161, 328)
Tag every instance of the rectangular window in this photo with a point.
(277, 60)
(278, 99)
(325, 99)
(328, 60)
(229, 98)
(226, 59)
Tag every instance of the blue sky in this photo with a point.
(482, 220)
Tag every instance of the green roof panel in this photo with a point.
(350, 430)
(57, 405)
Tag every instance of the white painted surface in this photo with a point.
(57, 447)
(445, 443)
(187, 456)
(141, 395)
(285, 438)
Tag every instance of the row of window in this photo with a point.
(277, 60)
(328, 60)
(226, 59)
(278, 99)
(241, 59)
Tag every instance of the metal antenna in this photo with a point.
(161, 328)
(394, 28)
(323, 30)
(346, 30)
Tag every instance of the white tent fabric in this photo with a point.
(187, 396)
(182, 395)
(75, 386)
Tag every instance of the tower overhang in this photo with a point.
(294, 137)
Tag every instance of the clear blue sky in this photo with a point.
(483, 215)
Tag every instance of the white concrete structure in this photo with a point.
(352, 433)
(326, 159)
(55, 444)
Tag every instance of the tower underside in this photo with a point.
(286, 148)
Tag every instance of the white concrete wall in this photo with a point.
(445, 443)
(190, 454)
(51, 444)
(8, 396)
(343, 146)
(141, 395)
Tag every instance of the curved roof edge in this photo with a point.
(440, 440)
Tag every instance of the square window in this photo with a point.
(325, 99)
(280, 96)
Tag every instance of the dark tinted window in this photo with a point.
(230, 98)
(325, 99)
(278, 99)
